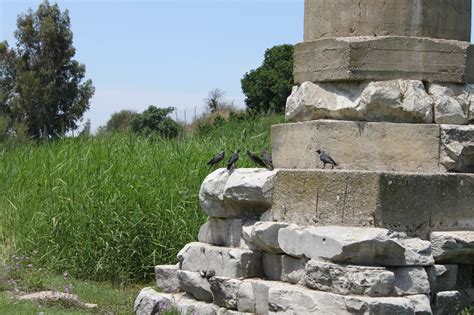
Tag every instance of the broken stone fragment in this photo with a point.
(391, 101)
(455, 247)
(221, 261)
(240, 194)
(52, 297)
(349, 279)
(355, 245)
(457, 148)
(196, 285)
(451, 102)
(149, 302)
(167, 278)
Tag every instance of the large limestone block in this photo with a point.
(451, 102)
(355, 245)
(239, 194)
(373, 146)
(453, 247)
(447, 19)
(264, 235)
(349, 280)
(167, 278)
(284, 268)
(392, 101)
(225, 232)
(196, 285)
(457, 148)
(411, 281)
(378, 58)
(291, 299)
(220, 261)
(414, 203)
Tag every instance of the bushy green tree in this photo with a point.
(155, 120)
(42, 85)
(120, 121)
(267, 87)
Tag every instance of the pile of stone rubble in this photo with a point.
(246, 264)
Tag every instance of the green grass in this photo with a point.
(111, 208)
(110, 299)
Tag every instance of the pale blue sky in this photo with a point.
(168, 52)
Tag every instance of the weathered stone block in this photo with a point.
(225, 291)
(264, 235)
(455, 247)
(373, 146)
(221, 261)
(355, 245)
(240, 194)
(442, 277)
(465, 277)
(378, 58)
(411, 281)
(349, 280)
(292, 299)
(446, 19)
(414, 203)
(225, 232)
(196, 285)
(284, 268)
(457, 148)
(390, 101)
(167, 278)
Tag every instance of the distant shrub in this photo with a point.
(155, 120)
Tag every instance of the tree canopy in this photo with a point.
(41, 85)
(267, 87)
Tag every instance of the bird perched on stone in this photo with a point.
(254, 158)
(267, 159)
(216, 159)
(233, 158)
(326, 159)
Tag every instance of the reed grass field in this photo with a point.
(111, 208)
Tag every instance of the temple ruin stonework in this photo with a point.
(385, 87)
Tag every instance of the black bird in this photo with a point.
(267, 159)
(233, 158)
(256, 159)
(326, 159)
(216, 159)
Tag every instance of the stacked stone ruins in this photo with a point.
(384, 87)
